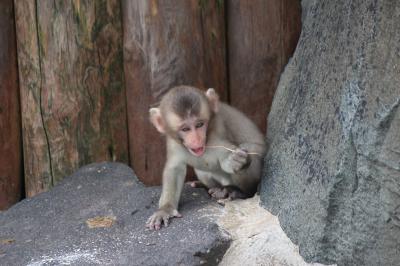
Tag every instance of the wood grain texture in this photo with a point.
(10, 124)
(262, 35)
(167, 43)
(35, 147)
(74, 92)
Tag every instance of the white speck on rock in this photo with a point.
(66, 259)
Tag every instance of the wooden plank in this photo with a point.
(10, 124)
(35, 146)
(262, 35)
(167, 43)
(79, 108)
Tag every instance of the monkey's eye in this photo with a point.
(199, 124)
(185, 129)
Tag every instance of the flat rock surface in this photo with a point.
(52, 229)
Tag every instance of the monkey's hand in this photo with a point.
(161, 216)
(236, 161)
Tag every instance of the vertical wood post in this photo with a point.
(167, 43)
(10, 124)
(72, 87)
(262, 35)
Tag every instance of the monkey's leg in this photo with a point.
(247, 179)
(206, 178)
(215, 189)
(209, 180)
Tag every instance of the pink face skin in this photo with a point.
(193, 132)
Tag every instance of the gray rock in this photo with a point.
(332, 172)
(51, 229)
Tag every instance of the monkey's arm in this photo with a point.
(173, 179)
(235, 161)
(232, 158)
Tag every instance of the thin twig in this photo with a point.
(226, 148)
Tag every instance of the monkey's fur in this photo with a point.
(192, 121)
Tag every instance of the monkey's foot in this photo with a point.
(161, 216)
(237, 194)
(219, 193)
(229, 193)
(222, 202)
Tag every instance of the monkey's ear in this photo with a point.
(156, 119)
(213, 98)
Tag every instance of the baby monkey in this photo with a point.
(223, 146)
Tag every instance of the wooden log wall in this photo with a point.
(10, 127)
(167, 43)
(262, 35)
(72, 87)
(75, 59)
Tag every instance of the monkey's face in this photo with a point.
(193, 133)
(184, 115)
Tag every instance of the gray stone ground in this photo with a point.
(51, 229)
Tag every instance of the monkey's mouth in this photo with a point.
(197, 151)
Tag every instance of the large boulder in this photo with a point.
(332, 172)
